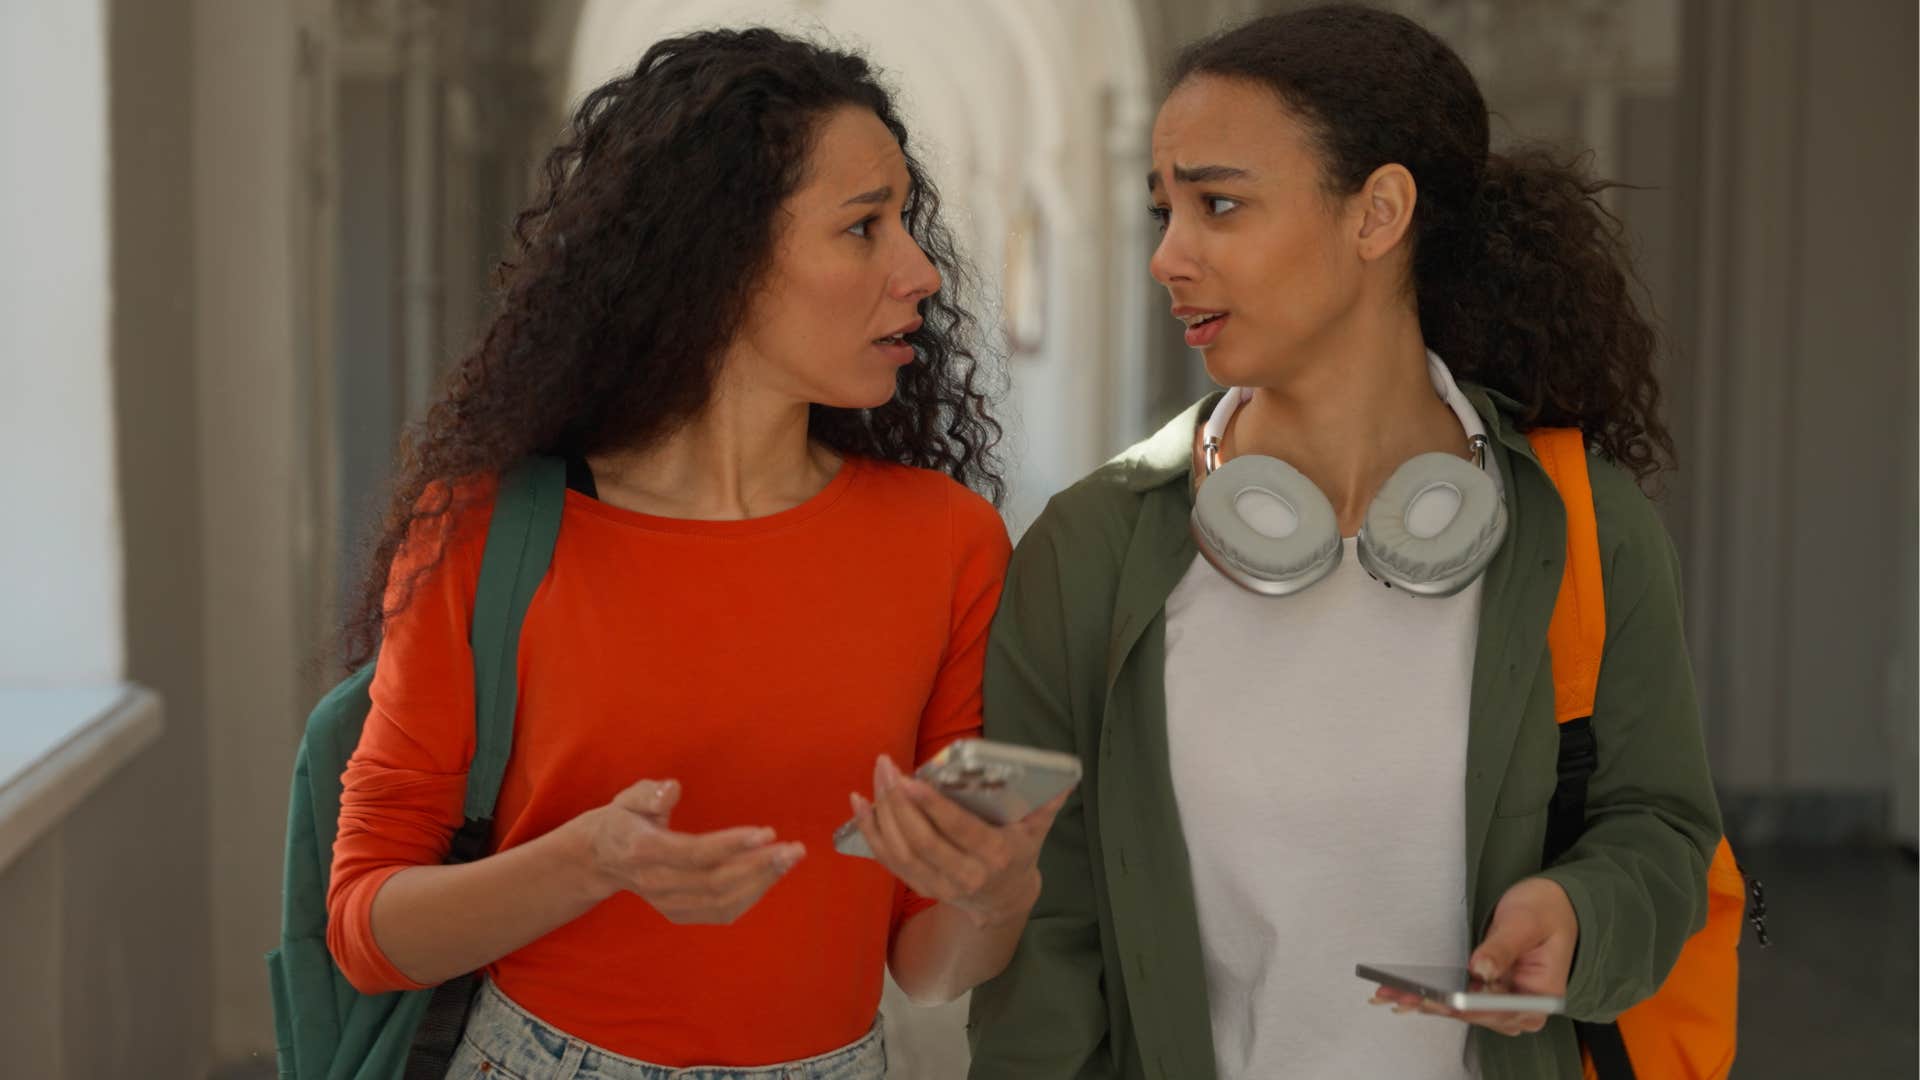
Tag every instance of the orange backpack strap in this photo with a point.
(1575, 640)
(1578, 633)
(1689, 1028)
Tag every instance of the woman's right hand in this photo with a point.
(691, 878)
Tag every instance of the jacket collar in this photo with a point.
(1167, 455)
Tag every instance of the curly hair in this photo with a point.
(634, 267)
(1522, 279)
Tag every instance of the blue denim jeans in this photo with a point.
(505, 1042)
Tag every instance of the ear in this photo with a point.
(1386, 203)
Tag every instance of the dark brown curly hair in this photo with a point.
(632, 270)
(1522, 279)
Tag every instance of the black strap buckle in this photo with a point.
(1567, 813)
(1756, 906)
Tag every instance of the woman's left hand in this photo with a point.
(945, 853)
(1528, 950)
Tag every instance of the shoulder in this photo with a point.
(1637, 554)
(1629, 522)
(1095, 517)
(931, 502)
(448, 528)
(1635, 549)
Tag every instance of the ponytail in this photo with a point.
(1536, 300)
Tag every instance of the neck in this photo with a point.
(746, 455)
(1349, 411)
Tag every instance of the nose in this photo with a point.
(1172, 261)
(916, 278)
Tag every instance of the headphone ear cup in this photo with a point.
(1434, 526)
(1265, 526)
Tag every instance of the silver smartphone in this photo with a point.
(999, 782)
(1456, 988)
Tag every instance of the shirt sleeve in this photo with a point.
(978, 540)
(405, 785)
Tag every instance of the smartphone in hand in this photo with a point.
(1000, 783)
(1457, 988)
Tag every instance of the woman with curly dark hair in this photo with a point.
(1290, 770)
(732, 313)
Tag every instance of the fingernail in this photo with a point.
(763, 837)
(791, 855)
(879, 776)
(854, 800)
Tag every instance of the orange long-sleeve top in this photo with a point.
(764, 664)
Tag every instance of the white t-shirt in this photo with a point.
(1318, 746)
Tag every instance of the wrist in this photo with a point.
(1016, 901)
(1555, 895)
(577, 864)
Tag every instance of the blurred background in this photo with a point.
(245, 236)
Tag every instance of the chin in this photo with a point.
(1230, 366)
(1226, 368)
(868, 395)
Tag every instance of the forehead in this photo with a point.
(852, 152)
(1209, 120)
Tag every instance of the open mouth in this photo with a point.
(899, 337)
(1203, 327)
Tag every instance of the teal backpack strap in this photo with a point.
(526, 521)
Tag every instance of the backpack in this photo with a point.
(1686, 1030)
(324, 1028)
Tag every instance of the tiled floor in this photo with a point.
(1835, 997)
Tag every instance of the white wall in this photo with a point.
(104, 929)
(60, 577)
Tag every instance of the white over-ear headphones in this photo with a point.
(1431, 529)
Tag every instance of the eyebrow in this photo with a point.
(1200, 174)
(875, 197)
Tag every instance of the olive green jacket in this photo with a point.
(1108, 979)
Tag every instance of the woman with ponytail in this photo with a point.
(1288, 768)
